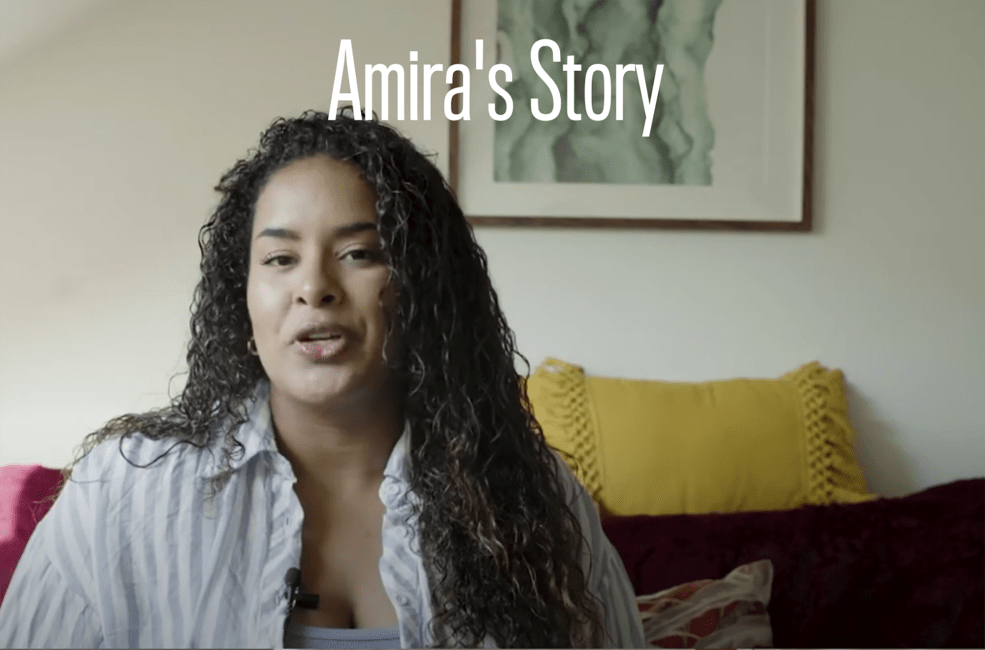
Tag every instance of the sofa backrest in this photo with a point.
(26, 493)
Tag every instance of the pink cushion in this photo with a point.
(24, 500)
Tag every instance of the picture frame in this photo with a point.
(754, 176)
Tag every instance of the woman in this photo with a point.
(352, 458)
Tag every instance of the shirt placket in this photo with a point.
(283, 552)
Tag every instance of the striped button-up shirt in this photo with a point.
(145, 557)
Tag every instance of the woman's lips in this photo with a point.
(322, 349)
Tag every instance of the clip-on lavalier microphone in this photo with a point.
(295, 598)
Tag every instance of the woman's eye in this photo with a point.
(359, 255)
(277, 260)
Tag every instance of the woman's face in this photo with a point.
(318, 290)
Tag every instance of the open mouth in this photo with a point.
(321, 344)
(319, 337)
(324, 348)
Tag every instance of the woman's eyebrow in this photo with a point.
(353, 228)
(279, 233)
(341, 231)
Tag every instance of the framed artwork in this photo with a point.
(691, 114)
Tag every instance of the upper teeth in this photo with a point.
(322, 337)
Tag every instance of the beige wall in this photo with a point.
(112, 135)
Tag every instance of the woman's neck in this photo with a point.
(337, 451)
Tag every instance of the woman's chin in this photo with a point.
(338, 390)
(327, 395)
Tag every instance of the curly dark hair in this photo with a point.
(501, 547)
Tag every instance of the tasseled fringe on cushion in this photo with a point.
(833, 473)
(559, 396)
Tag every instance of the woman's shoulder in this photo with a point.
(573, 489)
(122, 483)
(127, 458)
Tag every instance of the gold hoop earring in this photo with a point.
(251, 346)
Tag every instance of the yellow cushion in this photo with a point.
(653, 447)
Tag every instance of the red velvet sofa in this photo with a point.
(903, 572)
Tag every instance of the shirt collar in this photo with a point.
(257, 437)
(397, 465)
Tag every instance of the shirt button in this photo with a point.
(403, 601)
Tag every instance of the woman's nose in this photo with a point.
(319, 286)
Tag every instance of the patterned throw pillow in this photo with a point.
(727, 613)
